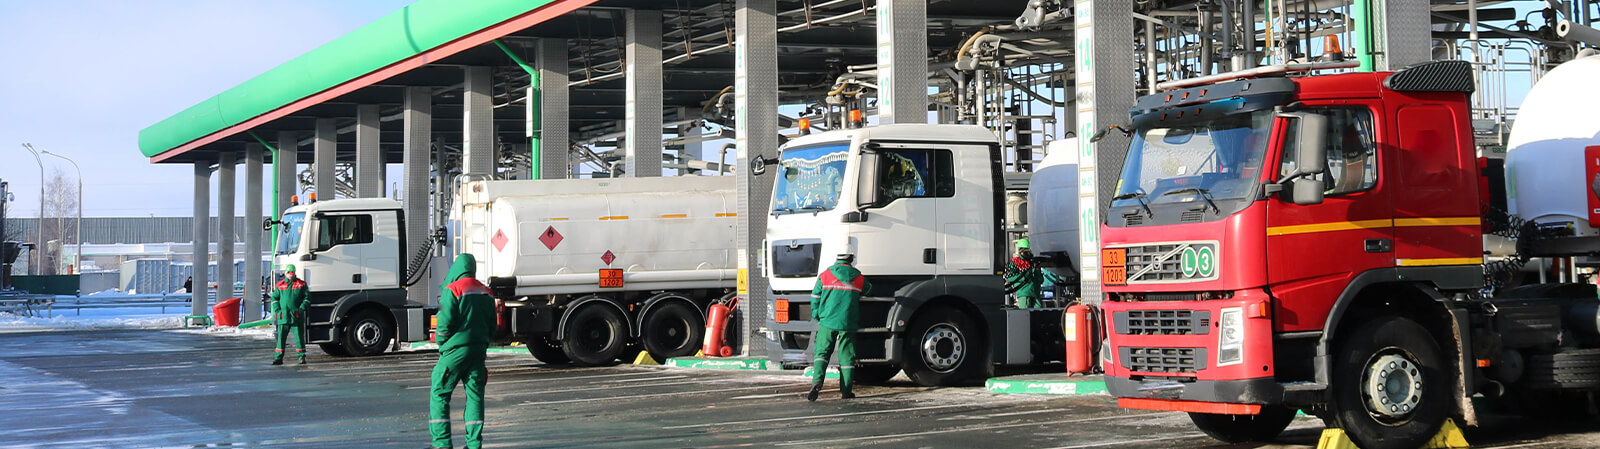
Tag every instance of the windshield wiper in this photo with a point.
(815, 208)
(1143, 202)
(783, 209)
(1204, 194)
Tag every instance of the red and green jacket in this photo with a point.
(836, 300)
(466, 309)
(289, 302)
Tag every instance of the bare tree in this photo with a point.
(60, 219)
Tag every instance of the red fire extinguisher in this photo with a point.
(1075, 324)
(716, 322)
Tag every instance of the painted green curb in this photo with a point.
(731, 363)
(1037, 385)
(260, 323)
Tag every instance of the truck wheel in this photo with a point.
(595, 335)
(674, 329)
(547, 351)
(944, 348)
(333, 349)
(875, 375)
(1244, 428)
(1390, 390)
(367, 333)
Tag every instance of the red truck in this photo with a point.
(1281, 243)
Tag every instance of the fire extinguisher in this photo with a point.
(716, 323)
(1076, 324)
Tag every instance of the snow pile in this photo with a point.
(10, 322)
(255, 333)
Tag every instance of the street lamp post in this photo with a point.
(33, 253)
(79, 225)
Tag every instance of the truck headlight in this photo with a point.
(1230, 338)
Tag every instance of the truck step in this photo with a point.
(1304, 386)
(872, 330)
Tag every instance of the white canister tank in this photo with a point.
(1545, 177)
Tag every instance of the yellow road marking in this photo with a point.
(615, 217)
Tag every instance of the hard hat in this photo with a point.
(1022, 243)
(846, 258)
(290, 269)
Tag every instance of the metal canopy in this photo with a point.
(817, 41)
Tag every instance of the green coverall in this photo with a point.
(1024, 278)
(466, 322)
(836, 307)
(289, 303)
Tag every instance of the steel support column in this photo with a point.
(477, 145)
(285, 161)
(202, 240)
(251, 310)
(324, 155)
(554, 137)
(755, 100)
(369, 159)
(902, 61)
(227, 168)
(418, 117)
(1404, 34)
(642, 119)
(1104, 96)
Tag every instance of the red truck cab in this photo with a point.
(1231, 265)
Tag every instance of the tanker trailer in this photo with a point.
(592, 270)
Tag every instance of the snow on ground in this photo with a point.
(96, 319)
(255, 333)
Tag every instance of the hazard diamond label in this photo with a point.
(550, 238)
(499, 240)
(608, 257)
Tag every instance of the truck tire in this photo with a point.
(1390, 388)
(944, 348)
(595, 335)
(333, 349)
(673, 329)
(1244, 428)
(547, 351)
(1572, 369)
(367, 333)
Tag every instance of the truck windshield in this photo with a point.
(809, 178)
(289, 239)
(1212, 161)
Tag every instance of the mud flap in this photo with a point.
(1464, 366)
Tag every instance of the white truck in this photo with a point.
(923, 209)
(583, 270)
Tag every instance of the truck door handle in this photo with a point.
(355, 278)
(930, 255)
(1379, 245)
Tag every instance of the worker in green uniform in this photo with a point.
(836, 307)
(1024, 278)
(466, 322)
(289, 303)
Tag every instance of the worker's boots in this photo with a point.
(302, 361)
(816, 389)
(276, 362)
(847, 394)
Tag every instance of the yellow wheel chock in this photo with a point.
(1449, 437)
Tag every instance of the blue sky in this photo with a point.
(83, 77)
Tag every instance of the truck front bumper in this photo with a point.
(1263, 390)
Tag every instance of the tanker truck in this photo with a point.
(1283, 242)
(584, 270)
(923, 209)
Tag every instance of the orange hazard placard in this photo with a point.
(610, 278)
(1117, 275)
(1113, 266)
(1113, 257)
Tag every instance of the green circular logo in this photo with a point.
(1207, 263)
(1190, 262)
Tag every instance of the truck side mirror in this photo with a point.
(1311, 152)
(866, 183)
(314, 225)
(266, 224)
(1306, 191)
(758, 165)
(854, 216)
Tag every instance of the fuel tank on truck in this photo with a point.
(1546, 180)
(1053, 204)
(555, 236)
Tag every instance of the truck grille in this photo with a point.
(1139, 257)
(1162, 322)
(1163, 360)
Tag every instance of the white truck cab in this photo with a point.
(349, 253)
(922, 208)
